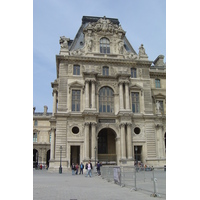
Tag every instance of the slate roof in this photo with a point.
(78, 41)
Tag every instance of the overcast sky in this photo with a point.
(144, 22)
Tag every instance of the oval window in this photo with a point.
(75, 129)
(136, 130)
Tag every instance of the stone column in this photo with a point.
(93, 94)
(123, 141)
(54, 102)
(52, 143)
(160, 141)
(129, 141)
(86, 93)
(87, 140)
(121, 98)
(93, 140)
(127, 95)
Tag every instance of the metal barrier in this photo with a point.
(151, 180)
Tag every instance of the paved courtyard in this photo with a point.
(55, 186)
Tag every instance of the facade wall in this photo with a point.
(41, 141)
(86, 132)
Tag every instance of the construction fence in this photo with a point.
(150, 180)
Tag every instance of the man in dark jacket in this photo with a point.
(81, 168)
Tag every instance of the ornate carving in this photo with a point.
(106, 26)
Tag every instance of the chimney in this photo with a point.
(45, 110)
(34, 110)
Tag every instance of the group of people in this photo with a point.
(88, 167)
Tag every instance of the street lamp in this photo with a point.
(95, 155)
(60, 168)
(136, 153)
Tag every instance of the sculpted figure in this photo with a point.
(142, 50)
(158, 106)
(121, 47)
(64, 42)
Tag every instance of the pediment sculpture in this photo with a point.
(104, 25)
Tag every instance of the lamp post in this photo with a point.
(95, 155)
(136, 153)
(60, 168)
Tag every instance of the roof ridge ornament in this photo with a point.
(104, 25)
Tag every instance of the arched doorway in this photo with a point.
(107, 146)
(35, 158)
(48, 158)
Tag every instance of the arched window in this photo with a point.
(106, 100)
(104, 45)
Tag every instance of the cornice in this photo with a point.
(107, 60)
(157, 74)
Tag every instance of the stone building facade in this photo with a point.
(41, 137)
(109, 102)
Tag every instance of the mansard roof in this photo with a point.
(79, 39)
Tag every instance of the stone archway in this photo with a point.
(48, 158)
(107, 146)
(35, 158)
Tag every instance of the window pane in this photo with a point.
(104, 45)
(106, 100)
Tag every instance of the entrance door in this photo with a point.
(35, 158)
(75, 155)
(48, 158)
(106, 146)
(138, 153)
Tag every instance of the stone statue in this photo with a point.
(89, 45)
(64, 42)
(142, 50)
(121, 47)
(158, 107)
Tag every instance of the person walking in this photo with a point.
(73, 169)
(98, 168)
(77, 167)
(81, 168)
(89, 169)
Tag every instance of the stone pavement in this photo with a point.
(55, 186)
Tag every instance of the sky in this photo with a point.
(144, 22)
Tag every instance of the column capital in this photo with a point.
(87, 123)
(93, 123)
(129, 124)
(122, 124)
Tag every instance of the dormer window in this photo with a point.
(104, 46)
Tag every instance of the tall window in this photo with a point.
(34, 137)
(157, 83)
(133, 73)
(106, 100)
(76, 100)
(76, 70)
(105, 71)
(104, 45)
(135, 102)
(35, 123)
